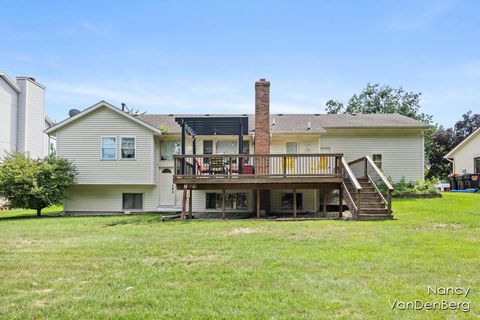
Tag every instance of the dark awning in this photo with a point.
(214, 125)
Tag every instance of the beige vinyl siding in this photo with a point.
(305, 144)
(464, 156)
(402, 153)
(80, 142)
(107, 198)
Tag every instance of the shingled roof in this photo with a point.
(298, 123)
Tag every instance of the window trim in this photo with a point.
(291, 142)
(135, 148)
(203, 147)
(233, 192)
(143, 200)
(381, 161)
(168, 141)
(101, 148)
(474, 164)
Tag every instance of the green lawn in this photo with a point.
(138, 267)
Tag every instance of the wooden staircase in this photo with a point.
(362, 195)
(372, 206)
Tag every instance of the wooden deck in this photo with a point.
(253, 171)
(360, 189)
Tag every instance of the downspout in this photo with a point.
(453, 164)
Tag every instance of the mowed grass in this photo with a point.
(136, 267)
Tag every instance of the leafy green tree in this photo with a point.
(442, 141)
(381, 99)
(465, 127)
(35, 184)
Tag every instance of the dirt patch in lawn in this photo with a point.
(244, 230)
(451, 226)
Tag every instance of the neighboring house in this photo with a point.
(126, 163)
(466, 155)
(23, 120)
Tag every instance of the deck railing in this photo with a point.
(259, 165)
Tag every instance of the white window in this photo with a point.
(168, 149)
(227, 147)
(109, 148)
(291, 147)
(128, 148)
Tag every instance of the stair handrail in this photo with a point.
(380, 174)
(348, 173)
(384, 180)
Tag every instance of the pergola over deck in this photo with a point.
(209, 126)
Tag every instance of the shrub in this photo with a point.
(35, 184)
(420, 189)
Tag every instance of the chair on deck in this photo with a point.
(200, 167)
(246, 168)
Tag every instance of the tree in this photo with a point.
(35, 184)
(441, 143)
(465, 127)
(381, 99)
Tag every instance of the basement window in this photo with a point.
(287, 200)
(236, 200)
(132, 201)
(377, 159)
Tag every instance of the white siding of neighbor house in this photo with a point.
(464, 156)
(31, 118)
(80, 142)
(402, 153)
(108, 198)
(8, 122)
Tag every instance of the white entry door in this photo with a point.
(167, 188)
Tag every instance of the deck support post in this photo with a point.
(340, 202)
(258, 203)
(184, 201)
(190, 203)
(324, 206)
(294, 203)
(182, 167)
(223, 204)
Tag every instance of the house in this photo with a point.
(466, 155)
(257, 163)
(23, 120)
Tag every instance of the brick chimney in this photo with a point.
(262, 136)
(262, 117)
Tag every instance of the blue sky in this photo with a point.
(204, 56)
